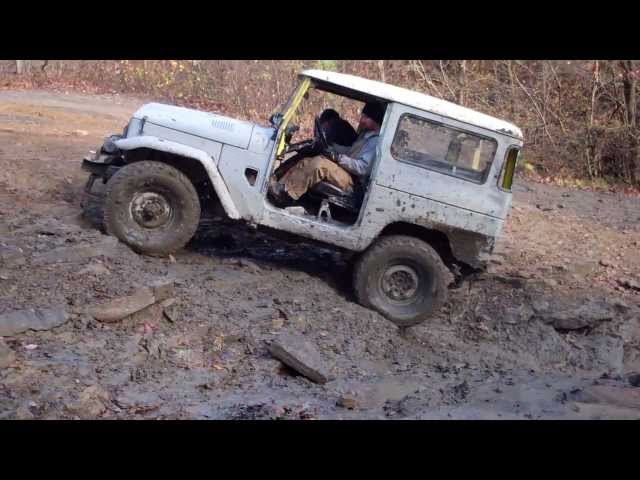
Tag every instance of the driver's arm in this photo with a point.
(361, 164)
(340, 148)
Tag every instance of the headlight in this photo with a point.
(109, 146)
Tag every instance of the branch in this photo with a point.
(419, 68)
(445, 81)
(535, 105)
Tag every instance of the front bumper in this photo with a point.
(100, 166)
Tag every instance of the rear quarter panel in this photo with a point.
(471, 214)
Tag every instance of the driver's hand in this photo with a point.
(331, 154)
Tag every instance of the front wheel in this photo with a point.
(403, 278)
(151, 206)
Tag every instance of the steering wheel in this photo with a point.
(319, 136)
(317, 145)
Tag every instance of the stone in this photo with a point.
(634, 379)
(91, 402)
(584, 268)
(171, 311)
(7, 356)
(629, 283)
(610, 395)
(299, 354)
(23, 412)
(347, 401)
(598, 411)
(620, 305)
(119, 308)
(566, 312)
(515, 282)
(107, 247)
(163, 289)
(516, 315)
(32, 319)
(94, 269)
(252, 267)
(607, 352)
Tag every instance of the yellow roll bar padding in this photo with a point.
(510, 168)
(302, 89)
(476, 156)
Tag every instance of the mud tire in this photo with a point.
(401, 252)
(177, 192)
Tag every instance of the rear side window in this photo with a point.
(447, 150)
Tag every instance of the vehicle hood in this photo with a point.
(207, 125)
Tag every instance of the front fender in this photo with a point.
(155, 143)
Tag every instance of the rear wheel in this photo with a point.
(151, 206)
(403, 278)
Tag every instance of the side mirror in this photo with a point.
(276, 120)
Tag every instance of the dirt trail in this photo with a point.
(535, 337)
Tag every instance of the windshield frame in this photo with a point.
(290, 108)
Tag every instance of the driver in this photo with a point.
(337, 164)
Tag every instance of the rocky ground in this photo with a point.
(551, 331)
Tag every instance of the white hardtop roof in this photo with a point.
(417, 100)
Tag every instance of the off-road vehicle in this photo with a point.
(437, 197)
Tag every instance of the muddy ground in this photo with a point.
(551, 331)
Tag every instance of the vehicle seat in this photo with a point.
(349, 200)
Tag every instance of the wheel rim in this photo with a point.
(400, 283)
(150, 209)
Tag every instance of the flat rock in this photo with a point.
(299, 354)
(107, 247)
(610, 395)
(122, 307)
(599, 411)
(7, 356)
(119, 308)
(566, 312)
(32, 319)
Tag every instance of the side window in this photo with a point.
(444, 149)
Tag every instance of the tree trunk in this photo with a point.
(19, 67)
(591, 149)
(629, 90)
(462, 82)
(381, 67)
(513, 89)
